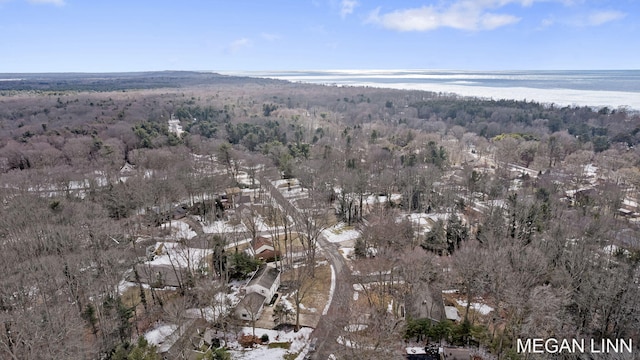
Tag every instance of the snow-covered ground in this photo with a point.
(124, 285)
(425, 220)
(347, 252)
(355, 327)
(179, 229)
(298, 342)
(222, 227)
(381, 199)
(260, 224)
(483, 309)
(339, 233)
(223, 304)
(332, 289)
(295, 192)
(159, 334)
(175, 254)
(244, 178)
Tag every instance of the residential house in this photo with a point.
(260, 289)
(263, 250)
(250, 307)
(160, 275)
(265, 282)
(127, 169)
(231, 194)
(174, 126)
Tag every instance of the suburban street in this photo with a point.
(326, 331)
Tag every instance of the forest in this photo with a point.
(521, 218)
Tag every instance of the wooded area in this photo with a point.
(529, 208)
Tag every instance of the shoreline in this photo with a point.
(462, 84)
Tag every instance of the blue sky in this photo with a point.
(139, 35)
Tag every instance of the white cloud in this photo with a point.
(346, 7)
(52, 2)
(595, 18)
(236, 45)
(490, 21)
(462, 15)
(602, 17)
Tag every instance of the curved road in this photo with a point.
(335, 320)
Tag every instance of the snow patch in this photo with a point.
(179, 229)
(483, 309)
(339, 233)
(298, 342)
(355, 327)
(158, 335)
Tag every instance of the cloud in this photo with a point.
(52, 2)
(602, 17)
(581, 20)
(346, 7)
(461, 15)
(239, 44)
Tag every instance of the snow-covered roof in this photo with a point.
(451, 312)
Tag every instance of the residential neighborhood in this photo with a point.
(257, 219)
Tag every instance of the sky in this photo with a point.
(263, 35)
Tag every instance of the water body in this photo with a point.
(595, 88)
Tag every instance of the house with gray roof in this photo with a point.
(260, 290)
(250, 307)
(264, 282)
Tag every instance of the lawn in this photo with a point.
(318, 294)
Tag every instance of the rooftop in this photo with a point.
(265, 276)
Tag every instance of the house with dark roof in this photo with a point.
(160, 275)
(127, 169)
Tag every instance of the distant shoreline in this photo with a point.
(593, 88)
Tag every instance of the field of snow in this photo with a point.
(339, 233)
(483, 309)
(179, 229)
(175, 254)
(222, 227)
(298, 342)
(381, 199)
(158, 335)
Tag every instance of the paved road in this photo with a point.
(335, 320)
